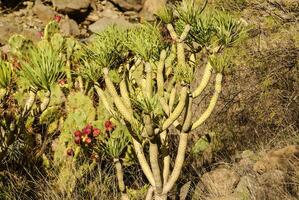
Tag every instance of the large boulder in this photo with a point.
(71, 6)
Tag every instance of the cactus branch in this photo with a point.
(125, 112)
(143, 162)
(160, 78)
(154, 160)
(124, 93)
(204, 81)
(149, 81)
(212, 103)
(44, 105)
(177, 111)
(172, 32)
(120, 179)
(29, 102)
(104, 100)
(179, 161)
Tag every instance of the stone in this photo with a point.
(127, 5)
(151, 7)
(282, 159)
(104, 22)
(69, 27)
(220, 182)
(44, 13)
(71, 6)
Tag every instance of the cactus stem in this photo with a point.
(179, 161)
(120, 179)
(154, 160)
(124, 93)
(172, 32)
(204, 81)
(177, 111)
(29, 102)
(149, 81)
(160, 78)
(143, 162)
(212, 103)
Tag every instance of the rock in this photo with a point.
(151, 7)
(220, 182)
(71, 6)
(249, 188)
(283, 159)
(103, 23)
(69, 27)
(44, 13)
(125, 5)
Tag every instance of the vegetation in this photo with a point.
(117, 113)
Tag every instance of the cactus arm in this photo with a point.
(149, 194)
(185, 33)
(180, 47)
(125, 112)
(148, 89)
(212, 103)
(120, 179)
(44, 105)
(172, 99)
(180, 158)
(178, 163)
(124, 93)
(68, 74)
(177, 111)
(153, 153)
(143, 162)
(160, 78)
(169, 60)
(166, 156)
(204, 81)
(164, 105)
(29, 102)
(154, 160)
(172, 32)
(104, 100)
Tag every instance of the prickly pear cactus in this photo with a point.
(80, 111)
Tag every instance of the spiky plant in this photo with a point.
(160, 80)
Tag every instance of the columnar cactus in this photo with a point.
(162, 94)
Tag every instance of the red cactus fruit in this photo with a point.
(70, 152)
(77, 133)
(57, 18)
(86, 131)
(78, 140)
(108, 125)
(87, 140)
(96, 132)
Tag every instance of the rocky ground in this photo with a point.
(79, 18)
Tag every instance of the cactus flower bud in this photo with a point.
(77, 133)
(70, 152)
(96, 132)
(87, 140)
(78, 140)
(86, 131)
(57, 18)
(108, 126)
